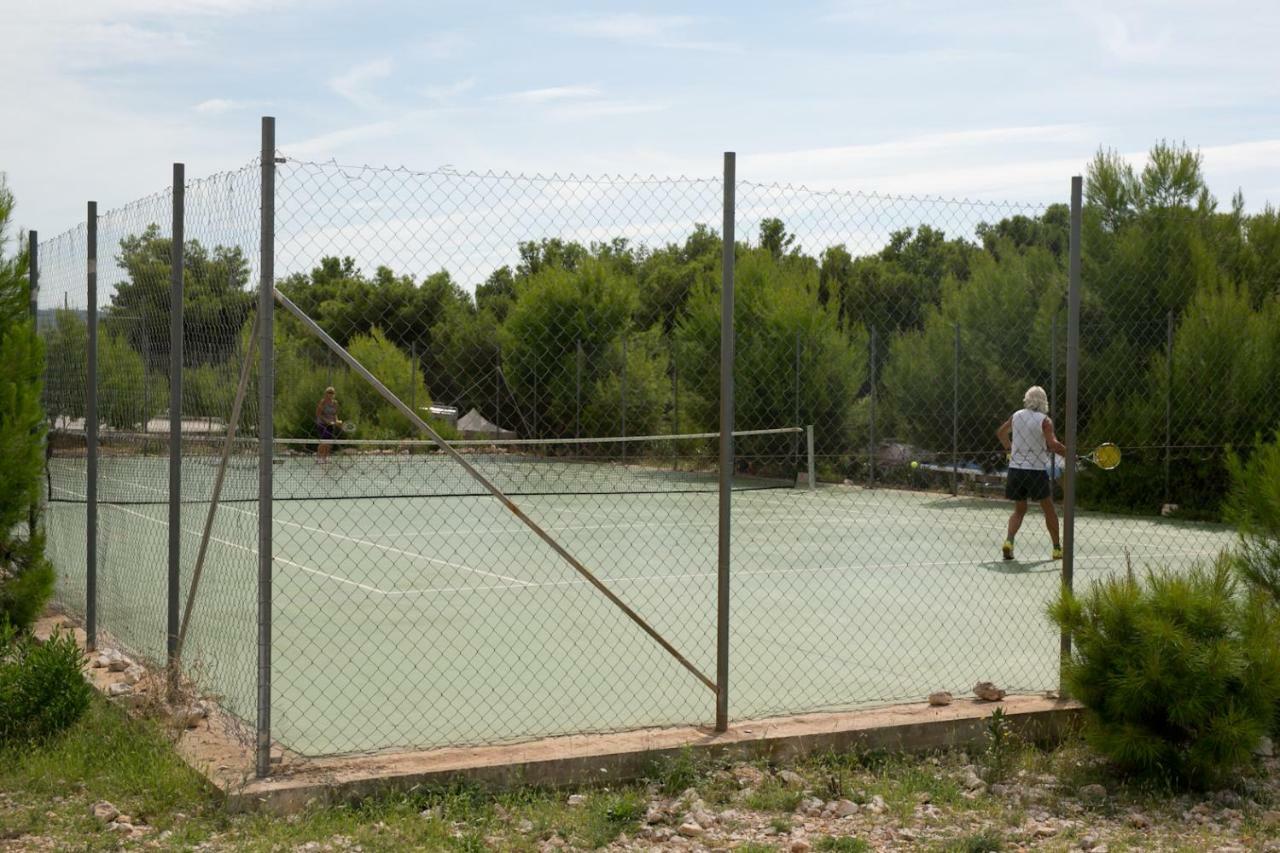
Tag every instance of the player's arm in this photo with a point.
(320, 412)
(1005, 434)
(1051, 439)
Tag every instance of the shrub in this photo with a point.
(1253, 505)
(42, 686)
(1179, 675)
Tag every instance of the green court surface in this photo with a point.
(425, 621)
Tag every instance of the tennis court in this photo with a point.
(436, 617)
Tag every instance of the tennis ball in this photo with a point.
(915, 464)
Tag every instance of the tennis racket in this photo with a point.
(1106, 456)
(347, 427)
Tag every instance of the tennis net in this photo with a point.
(133, 467)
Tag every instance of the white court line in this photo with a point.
(710, 575)
(389, 549)
(239, 547)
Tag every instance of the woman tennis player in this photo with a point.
(1029, 440)
(327, 423)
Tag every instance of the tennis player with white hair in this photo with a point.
(1029, 440)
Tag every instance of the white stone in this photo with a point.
(844, 808)
(1265, 748)
(1093, 793)
(877, 805)
(120, 689)
(691, 830)
(118, 662)
(747, 775)
(576, 800)
(791, 778)
(104, 811)
(988, 692)
(133, 674)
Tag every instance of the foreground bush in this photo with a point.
(1253, 505)
(42, 686)
(1179, 674)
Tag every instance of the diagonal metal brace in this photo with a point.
(424, 427)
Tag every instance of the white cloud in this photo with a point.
(449, 91)
(552, 93)
(627, 27)
(668, 31)
(219, 106)
(443, 46)
(353, 83)
(596, 109)
(329, 144)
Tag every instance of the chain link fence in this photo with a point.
(516, 530)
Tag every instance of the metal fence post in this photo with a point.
(1053, 387)
(33, 290)
(795, 440)
(623, 380)
(955, 418)
(176, 263)
(1168, 403)
(91, 434)
(33, 276)
(497, 396)
(871, 441)
(577, 391)
(266, 409)
(1073, 389)
(726, 445)
(146, 367)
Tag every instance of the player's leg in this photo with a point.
(1051, 522)
(1015, 523)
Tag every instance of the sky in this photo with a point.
(985, 100)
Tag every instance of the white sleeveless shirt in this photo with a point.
(1029, 450)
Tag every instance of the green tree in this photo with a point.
(215, 301)
(1003, 313)
(122, 403)
(66, 348)
(395, 369)
(558, 310)
(776, 308)
(26, 579)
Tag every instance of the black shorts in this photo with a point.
(1024, 484)
(327, 432)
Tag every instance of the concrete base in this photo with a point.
(221, 750)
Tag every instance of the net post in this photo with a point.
(176, 263)
(813, 466)
(91, 433)
(266, 397)
(955, 418)
(871, 441)
(1168, 402)
(726, 444)
(1073, 389)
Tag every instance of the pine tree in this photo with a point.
(26, 579)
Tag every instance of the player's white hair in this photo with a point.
(1036, 400)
